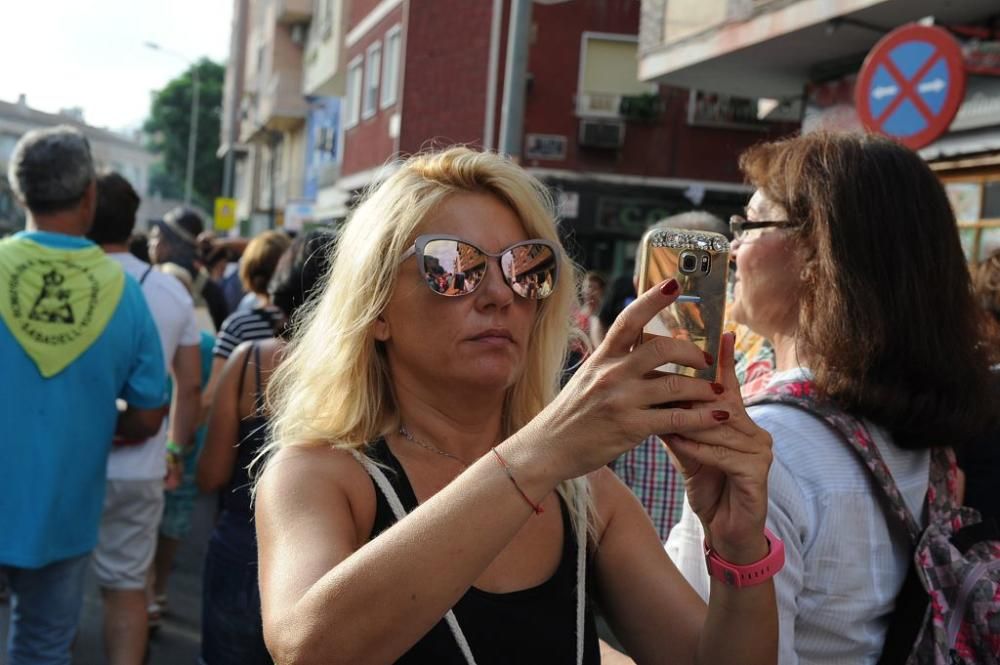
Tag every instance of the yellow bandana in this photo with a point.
(56, 302)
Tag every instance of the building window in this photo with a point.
(608, 71)
(373, 68)
(390, 72)
(353, 101)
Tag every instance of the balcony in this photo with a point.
(282, 106)
(771, 48)
(288, 12)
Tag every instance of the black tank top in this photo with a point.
(536, 625)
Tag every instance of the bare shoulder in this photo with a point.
(315, 477)
(609, 495)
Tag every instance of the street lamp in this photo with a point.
(193, 130)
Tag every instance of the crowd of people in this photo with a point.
(421, 462)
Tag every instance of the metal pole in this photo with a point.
(512, 110)
(192, 135)
(273, 140)
(492, 71)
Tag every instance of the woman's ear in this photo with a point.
(382, 332)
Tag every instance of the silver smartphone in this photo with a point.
(699, 261)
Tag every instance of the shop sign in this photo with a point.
(545, 146)
(911, 84)
(629, 215)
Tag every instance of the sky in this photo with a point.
(91, 53)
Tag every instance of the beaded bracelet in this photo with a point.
(537, 507)
(175, 449)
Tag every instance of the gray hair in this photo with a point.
(51, 168)
(696, 220)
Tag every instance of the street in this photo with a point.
(177, 639)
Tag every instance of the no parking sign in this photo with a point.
(911, 85)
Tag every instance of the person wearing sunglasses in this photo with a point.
(429, 497)
(848, 262)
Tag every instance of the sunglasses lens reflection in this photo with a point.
(455, 268)
(452, 268)
(530, 270)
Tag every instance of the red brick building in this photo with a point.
(618, 153)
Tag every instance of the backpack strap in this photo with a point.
(399, 512)
(801, 394)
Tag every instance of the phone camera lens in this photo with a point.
(689, 262)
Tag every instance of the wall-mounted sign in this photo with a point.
(911, 84)
(545, 146)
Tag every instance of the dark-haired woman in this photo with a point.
(849, 263)
(231, 625)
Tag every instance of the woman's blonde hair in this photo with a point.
(334, 386)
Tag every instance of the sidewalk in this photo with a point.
(177, 640)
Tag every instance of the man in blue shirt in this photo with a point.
(75, 336)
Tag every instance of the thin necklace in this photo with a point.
(405, 433)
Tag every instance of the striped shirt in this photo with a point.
(239, 327)
(843, 563)
(647, 470)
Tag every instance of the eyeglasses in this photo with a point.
(739, 225)
(451, 266)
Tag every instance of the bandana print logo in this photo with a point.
(53, 303)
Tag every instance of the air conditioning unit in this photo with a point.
(602, 133)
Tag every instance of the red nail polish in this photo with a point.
(670, 287)
(718, 389)
(708, 358)
(720, 415)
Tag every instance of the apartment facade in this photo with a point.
(113, 151)
(619, 153)
(267, 108)
(810, 52)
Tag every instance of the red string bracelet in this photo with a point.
(537, 507)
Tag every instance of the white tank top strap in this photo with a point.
(392, 497)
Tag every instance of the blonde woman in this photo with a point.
(427, 492)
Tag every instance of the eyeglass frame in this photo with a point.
(421, 241)
(739, 225)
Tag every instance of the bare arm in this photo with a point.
(139, 424)
(208, 394)
(184, 410)
(649, 604)
(215, 466)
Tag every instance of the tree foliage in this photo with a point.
(168, 127)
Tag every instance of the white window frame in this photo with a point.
(390, 88)
(352, 103)
(373, 74)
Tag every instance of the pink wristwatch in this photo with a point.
(754, 573)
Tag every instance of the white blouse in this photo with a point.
(844, 565)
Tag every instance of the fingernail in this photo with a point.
(720, 415)
(708, 358)
(670, 287)
(718, 389)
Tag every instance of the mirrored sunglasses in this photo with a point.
(451, 266)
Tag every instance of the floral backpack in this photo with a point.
(948, 611)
